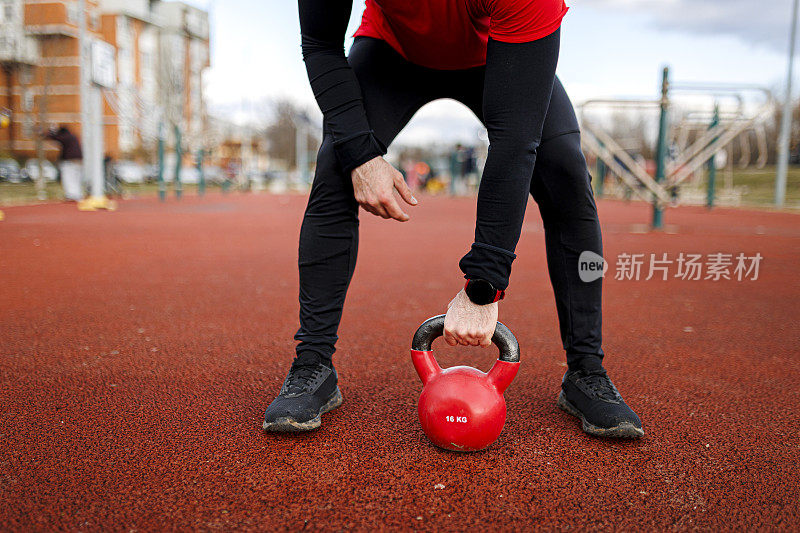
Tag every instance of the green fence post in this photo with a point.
(601, 176)
(162, 186)
(712, 166)
(178, 162)
(201, 184)
(661, 148)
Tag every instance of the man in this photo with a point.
(498, 57)
(70, 162)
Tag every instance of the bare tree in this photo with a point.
(282, 130)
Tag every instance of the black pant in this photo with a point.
(393, 90)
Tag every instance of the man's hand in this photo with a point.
(469, 324)
(373, 185)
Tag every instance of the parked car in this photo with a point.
(130, 172)
(9, 170)
(213, 174)
(151, 173)
(188, 175)
(31, 170)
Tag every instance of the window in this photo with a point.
(26, 75)
(27, 100)
(27, 127)
(8, 11)
(72, 12)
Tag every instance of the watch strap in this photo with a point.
(499, 294)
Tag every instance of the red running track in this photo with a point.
(139, 349)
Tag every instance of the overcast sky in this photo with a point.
(609, 48)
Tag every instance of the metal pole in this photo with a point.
(244, 156)
(201, 185)
(41, 184)
(162, 186)
(712, 163)
(98, 145)
(178, 158)
(600, 176)
(244, 153)
(298, 136)
(455, 167)
(301, 147)
(8, 70)
(786, 122)
(661, 149)
(83, 49)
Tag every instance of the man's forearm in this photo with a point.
(519, 80)
(323, 24)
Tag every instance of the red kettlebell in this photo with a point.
(461, 408)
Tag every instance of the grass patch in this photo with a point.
(25, 193)
(760, 185)
(759, 188)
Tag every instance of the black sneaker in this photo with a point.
(310, 390)
(590, 395)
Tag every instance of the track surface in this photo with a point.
(139, 349)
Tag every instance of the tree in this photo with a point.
(281, 133)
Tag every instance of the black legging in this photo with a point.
(393, 90)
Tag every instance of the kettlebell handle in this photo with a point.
(433, 328)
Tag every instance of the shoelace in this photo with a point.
(300, 377)
(599, 383)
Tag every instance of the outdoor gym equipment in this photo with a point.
(461, 408)
(676, 158)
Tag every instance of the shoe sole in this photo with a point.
(290, 425)
(624, 430)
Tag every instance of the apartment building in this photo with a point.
(40, 68)
(162, 50)
(185, 55)
(131, 27)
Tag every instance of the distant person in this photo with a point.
(456, 168)
(70, 162)
(470, 168)
(412, 177)
(499, 59)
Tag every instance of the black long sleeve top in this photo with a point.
(517, 86)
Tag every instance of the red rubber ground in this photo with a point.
(139, 349)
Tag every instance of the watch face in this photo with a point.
(480, 291)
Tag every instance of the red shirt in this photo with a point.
(452, 34)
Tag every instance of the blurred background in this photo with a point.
(180, 97)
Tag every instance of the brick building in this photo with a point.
(162, 50)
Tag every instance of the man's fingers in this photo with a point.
(402, 188)
(381, 212)
(481, 338)
(462, 338)
(376, 209)
(467, 338)
(472, 338)
(389, 204)
(453, 338)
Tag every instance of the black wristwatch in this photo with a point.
(482, 292)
